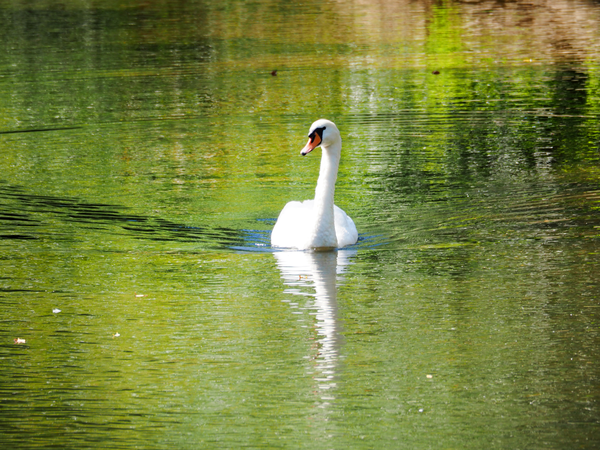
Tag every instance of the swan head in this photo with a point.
(323, 133)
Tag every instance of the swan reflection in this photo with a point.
(314, 275)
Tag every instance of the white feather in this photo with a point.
(318, 223)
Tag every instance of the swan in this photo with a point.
(317, 224)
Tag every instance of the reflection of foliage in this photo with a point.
(472, 126)
(203, 69)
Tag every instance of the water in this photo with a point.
(147, 150)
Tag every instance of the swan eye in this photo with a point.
(318, 132)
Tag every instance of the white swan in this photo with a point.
(317, 224)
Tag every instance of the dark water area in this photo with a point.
(147, 149)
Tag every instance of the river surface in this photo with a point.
(147, 149)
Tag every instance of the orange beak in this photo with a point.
(311, 145)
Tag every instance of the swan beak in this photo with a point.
(312, 143)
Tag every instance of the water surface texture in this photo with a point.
(147, 148)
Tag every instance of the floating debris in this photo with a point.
(274, 73)
(20, 341)
(436, 72)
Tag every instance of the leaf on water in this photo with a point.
(20, 341)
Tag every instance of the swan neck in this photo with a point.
(325, 190)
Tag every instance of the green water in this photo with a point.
(147, 149)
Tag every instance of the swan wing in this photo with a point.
(291, 226)
(345, 229)
(291, 229)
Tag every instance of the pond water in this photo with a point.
(147, 148)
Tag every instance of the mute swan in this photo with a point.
(317, 224)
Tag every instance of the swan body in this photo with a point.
(317, 224)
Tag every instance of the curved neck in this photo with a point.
(330, 161)
(324, 193)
